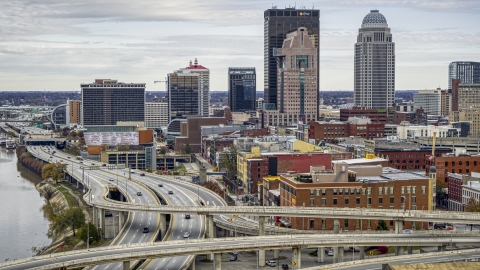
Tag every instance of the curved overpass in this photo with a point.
(120, 253)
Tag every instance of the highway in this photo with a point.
(81, 258)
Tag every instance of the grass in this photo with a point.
(72, 202)
(71, 241)
(181, 168)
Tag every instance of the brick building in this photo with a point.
(190, 132)
(461, 164)
(418, 117)
(392, 189)
(375, 115)
(409, 159)
(328, 131)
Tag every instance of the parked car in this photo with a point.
(407, 231)
(284, 266)
(233, 258)
(271, 263)
(186, 235)
(330, 253)
(170, 192)
(108, 214)
(139, 193)
(352, 249)
(146, 230)
(233, 253)
(187, 216)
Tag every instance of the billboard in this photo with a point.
(110, 138)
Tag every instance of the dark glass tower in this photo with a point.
(277, 23)
(466, 72)
(241, 89)
(106, 102)
(183, 95)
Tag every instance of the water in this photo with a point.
(22, 225)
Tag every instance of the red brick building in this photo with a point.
(409, 159)
(333, 130)
(376, 116)
(462, 164)
(455, 185)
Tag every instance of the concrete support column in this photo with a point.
(163, 225)
(95, 216)
(77, 184)
(101, 216)
(321, 254)
(336, 225)
(442, 248)
(275, 253)
(410, 250)
(362, 252)
(121, 220)
(336, 250)
(211, 234)
(217, 261)
(192, 266)
(296, 258)
(261, 232)
(126, 265)
(341, 254)
(398, 230)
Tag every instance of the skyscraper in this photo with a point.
(374, 83)
(203, 86)
(183, 95)
(106, 102)
(297, 77)
(277, 23)
(242, 89)
(466, 72)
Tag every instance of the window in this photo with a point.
(340, 191)
(402, 200)
(318, 192)
(323, 224)
(424, 189)
(357, 200)
(352, 191)
(408, 189)
(391, 190)
(346, 223)
(414, 207)
(357, 223)
(391, 223)
(312, 202)
(324, 202)
(392, 199)
(380, 189)
(334, 191)
(312, 224)
(369, 200)
(380, 200)
(369, 223)
(414, 199)
(323, 191)
(369, 191)
(334, 201)
(414, 190)
(363, 191)
(358, 191)
(403, 190)
(312, 192)
(346, 201)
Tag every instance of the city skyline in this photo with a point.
(145, 40)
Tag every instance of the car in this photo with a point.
(146, 230)
(330, 253)
(111, 179)
(186, 234)
(93, 163)
(407, 231)
(139, 193)
(61, 160)
(271, 263)
(170, 192)
(81, 162)
(68, 157)
(51, 157)
(142, 174)
(352, 249)
(54, 152)
(187, 216)
(104, 165)
(132, 171)
(233, 258)
(284, 266)
(160, 185)
(108, 214)
(233, 253)
(81, 167)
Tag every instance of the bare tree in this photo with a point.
(228, 160)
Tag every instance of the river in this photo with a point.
(22, 225)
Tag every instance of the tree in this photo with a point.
(48, 192)
(473, 205)
(73, 134)
(440, 191)
(65, 131)
(72, 218)
(188, 149)
(80, 134)
(382, 226)
(228, 160)
(53, 170)
(92, 232)
(10, 134)
(163, 151)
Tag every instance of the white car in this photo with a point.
(407, 231)
(186, 235)
(330, 253)
(271, 263)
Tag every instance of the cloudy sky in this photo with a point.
(58, 44)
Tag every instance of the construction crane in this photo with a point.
(434, 141)
(165, 81)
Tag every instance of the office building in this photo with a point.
(74, 111)
(277, 23)
(429, 101)
(466, 72)
(374, 66)
(203, 86)
(376, 116)
(468, 96)
(445, 102)
(106, 102)
(297, 88)
(467, 115)
(242, 89)
(156, 114)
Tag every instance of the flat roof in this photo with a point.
(359, 160)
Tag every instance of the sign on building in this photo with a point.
(111, 138)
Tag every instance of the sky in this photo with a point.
(58, 44)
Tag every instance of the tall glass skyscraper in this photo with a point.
(277, 23)
(242, 89)
(374, 82)
(466, 72)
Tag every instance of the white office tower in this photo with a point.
(203, 85)
(374, 83)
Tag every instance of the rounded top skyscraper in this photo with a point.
(374, 82)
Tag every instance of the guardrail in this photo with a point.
(220, 245)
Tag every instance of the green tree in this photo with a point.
(473, 205)
(188, 149)
(440, 191)
(92, 232)
(53, 170)
(73, 218)
(382, 226)
(73, 134)
(163, 151)
(10, 134)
